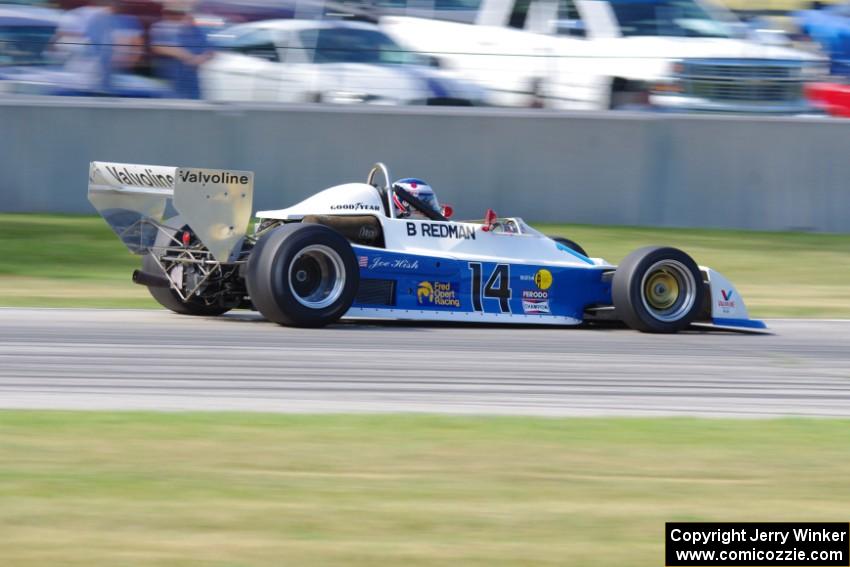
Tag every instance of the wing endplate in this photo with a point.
(133, 199)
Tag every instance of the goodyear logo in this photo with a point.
(543, 279)
(437, 294)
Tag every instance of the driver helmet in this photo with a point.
(421, 191)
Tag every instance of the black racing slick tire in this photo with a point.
(574, 246)
(302, 275)
(169, 299)
(658, 290)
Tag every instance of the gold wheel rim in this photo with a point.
(662, 290)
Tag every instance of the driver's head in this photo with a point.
(421, 191)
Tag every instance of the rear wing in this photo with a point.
(134, 200)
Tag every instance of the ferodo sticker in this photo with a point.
(535, 294)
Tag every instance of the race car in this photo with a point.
(386, 250)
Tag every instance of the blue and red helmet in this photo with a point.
(421, 191)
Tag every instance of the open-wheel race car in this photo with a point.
(385, 250)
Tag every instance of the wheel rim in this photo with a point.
(316, 276)
(668, 290)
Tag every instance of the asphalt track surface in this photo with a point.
(137, 359)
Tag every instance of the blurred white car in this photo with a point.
(326, 61)
(673, 55)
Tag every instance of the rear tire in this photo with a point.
(658, 290)
(574, 246)
(169, 299)
(302, 275)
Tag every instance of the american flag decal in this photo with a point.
(363, 261)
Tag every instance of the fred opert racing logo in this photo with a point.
(441, 230)
(205, 177)
(438, 294)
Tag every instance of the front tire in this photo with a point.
(302, 275)
(658, 290)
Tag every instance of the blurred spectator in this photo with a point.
(129, 39)
(95, 41)
(84, 41)
(180, 46)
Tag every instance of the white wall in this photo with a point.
(634, 169)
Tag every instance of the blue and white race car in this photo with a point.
(385, 250)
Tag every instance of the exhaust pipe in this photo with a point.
(150, 280)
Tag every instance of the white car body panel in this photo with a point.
(465, 239)
(345, 199)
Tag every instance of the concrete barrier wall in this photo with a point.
(634, 169)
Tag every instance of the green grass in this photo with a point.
(77, 261)
(135, 489)
(65, 261)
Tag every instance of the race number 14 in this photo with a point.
(498, 286)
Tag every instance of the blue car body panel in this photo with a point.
(431, 283)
